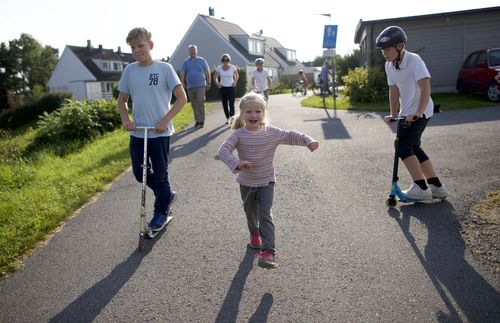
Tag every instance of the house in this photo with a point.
(215, 37)
(443, 40)
(88, 72)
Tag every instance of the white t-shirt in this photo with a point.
(411, 69)
(226, 77)
(260, 79)
(151, 90)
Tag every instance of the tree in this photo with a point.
(24, 65)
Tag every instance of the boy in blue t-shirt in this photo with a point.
(150, 83)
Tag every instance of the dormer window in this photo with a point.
(255, 46)
(112, 66)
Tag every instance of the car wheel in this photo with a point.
(493, 92)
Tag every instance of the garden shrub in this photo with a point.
(365, 84)
(75, 124)
(19, 116)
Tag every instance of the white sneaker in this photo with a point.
(416, 193)
(440, 192)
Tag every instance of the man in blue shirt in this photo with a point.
(195, 77)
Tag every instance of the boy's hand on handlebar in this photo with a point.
(389, 119)
(129, 126)
(412, 117)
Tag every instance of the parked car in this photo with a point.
(481, 73)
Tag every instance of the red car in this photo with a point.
(481, 73)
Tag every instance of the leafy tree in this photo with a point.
(25, 65)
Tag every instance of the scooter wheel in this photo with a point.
(391, 202)
(141, 242)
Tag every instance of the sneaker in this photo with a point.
(416, 193)
(266, 259)
(158, 221)
(255, 240)
(439, 192)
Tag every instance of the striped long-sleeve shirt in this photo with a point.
(259, 149)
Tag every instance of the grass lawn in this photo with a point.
(447, 101)
(39, 192)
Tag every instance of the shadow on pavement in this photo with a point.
(333, 127)
(229, 309)
(260, 315)
(181, 150)
(455, 280)
(88, 305)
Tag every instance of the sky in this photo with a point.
(58, 23)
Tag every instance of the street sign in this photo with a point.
(330, 36)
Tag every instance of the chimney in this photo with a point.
(100, 48)
(261, 32)
(89, 44)
(211, 11)
(119, 51)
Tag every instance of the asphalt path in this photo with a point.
(343, 256)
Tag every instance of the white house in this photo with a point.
(87, 72)
(215, 37)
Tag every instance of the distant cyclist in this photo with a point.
(303, 78)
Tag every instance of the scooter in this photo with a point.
(144, 231)
(395, 190)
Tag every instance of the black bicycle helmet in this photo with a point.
(390, 37)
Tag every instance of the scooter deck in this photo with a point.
(152, 233)
(430, 201)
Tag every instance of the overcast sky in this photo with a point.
(296, 25)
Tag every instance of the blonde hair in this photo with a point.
(138, 32)
(237, 120)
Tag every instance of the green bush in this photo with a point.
(279, 88)
(74, 124)
(16, 117)
(365, 84)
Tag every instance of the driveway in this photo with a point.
(343, 256)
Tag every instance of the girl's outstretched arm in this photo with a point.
(313, 145)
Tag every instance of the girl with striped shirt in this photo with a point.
(256, 143)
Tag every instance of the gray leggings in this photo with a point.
(257, 203)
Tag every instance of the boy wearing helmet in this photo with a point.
(409, 90)
(261, 81)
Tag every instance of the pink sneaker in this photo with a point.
(266, 259)
(255, 241)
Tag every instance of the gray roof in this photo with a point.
(361, 23)
(87, 54)
(228, 30)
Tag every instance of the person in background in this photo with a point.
(261, 81)
(195, 77)
(226, 77)
(303, 78)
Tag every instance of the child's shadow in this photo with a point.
(229, 309)
(443, 260)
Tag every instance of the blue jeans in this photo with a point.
(157, 174)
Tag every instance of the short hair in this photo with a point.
(138, 32)
(193, 46)
(225, 56)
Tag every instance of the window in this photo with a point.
(107, 90)
(470, 62)
(255, 47)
